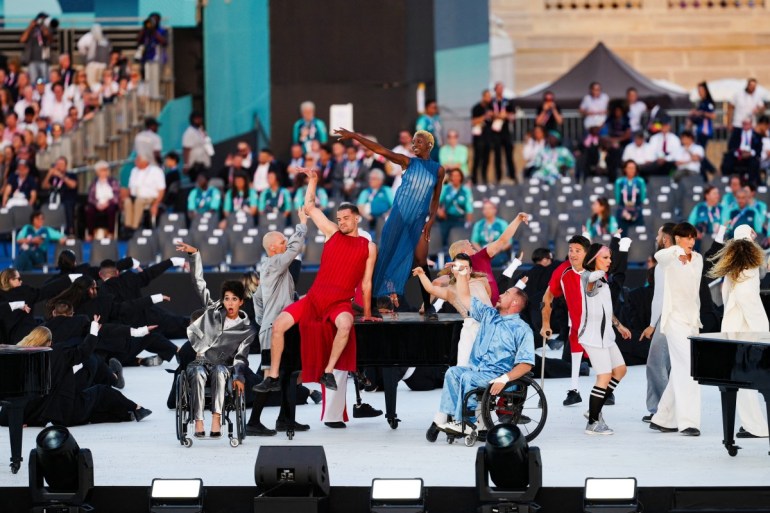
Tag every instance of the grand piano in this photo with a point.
(731, 361)
(25, 372)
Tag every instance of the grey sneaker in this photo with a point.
(601, 415)
(598, 428)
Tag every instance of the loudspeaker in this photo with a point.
(298, 471)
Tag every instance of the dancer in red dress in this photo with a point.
(325, 314)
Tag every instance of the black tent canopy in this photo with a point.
(615, 75)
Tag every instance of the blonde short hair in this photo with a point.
(457, 247)
(427, 135)
(38, 337)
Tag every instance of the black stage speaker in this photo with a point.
(291, 479)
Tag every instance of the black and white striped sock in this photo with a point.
(595, 403)
(611, 388)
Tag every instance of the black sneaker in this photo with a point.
(431, 434)
(662, 429)
(647, 418)
(573, 397)
(430, 313)
(335, 425)
(610, 400)
(259, 430)
(281, 425)
(151, 361)
(742, 433)
(267, 385)
(141, 413)
(316, 396)
(117, 368)
(365, 410)
(690, 432)
(327, 380)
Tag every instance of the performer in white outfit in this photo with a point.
(480, 289)
(740, 263)
(679, 407)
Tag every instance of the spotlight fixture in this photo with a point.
(61, 474)
(514, 468)
(610, 495)
(397, 496)
(176, 496)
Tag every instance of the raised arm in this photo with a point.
(294, 244)
(396, 158)
(463, 279)
(439, 292)
(327, 227)
(196, 273)
(495, 247)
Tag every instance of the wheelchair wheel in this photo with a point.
(239, 402)
(524, 405)
(182, 410)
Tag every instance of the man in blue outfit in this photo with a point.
(504, 350)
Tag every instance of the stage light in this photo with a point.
(291, 480)
(61, 474)
(176, 496)
(515, 469)
(397, 496)
(610, 495)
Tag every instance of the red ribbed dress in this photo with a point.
(343, 263)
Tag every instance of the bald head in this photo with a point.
(274, 243)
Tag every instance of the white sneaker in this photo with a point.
(455, 428)
(598, 428)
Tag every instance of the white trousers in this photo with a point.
(465, 345)
(334, 400)
(679, 406)
(750, 412)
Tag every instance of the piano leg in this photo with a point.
(15, 426)
(390, 377)
(729, 395)
(766, 394)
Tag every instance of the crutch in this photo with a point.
(542, 362)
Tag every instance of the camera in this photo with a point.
(46, 20)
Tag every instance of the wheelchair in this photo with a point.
(521, 402)
(234, 402)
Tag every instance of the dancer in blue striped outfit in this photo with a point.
(405, 236)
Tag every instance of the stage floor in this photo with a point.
(132, 454)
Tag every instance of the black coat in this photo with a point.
(128, 285)
(17, 325)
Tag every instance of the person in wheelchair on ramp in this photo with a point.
(504, 351)
(221, 338)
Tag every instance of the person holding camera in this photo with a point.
(152, 41)
(37, 46)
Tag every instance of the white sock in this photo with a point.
(440, 418)
(576, 359)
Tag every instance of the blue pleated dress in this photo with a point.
(404, 226)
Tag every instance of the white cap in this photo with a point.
(744, 231)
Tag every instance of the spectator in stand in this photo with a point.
(146, 187)
(601, 222)
(77, 92)
(66, 70)
(665, 146)
(635, 109)
(37, 39)
(33, 240)
(376, 200)
(11, 127)
(240, 197)
(300, 186)
(703, 116)
(233, 165)
(455, 205)
(26, 100)
(706, 215)
(758, 205)
(488, 230)
(109, 89)
(176, 179)
(11, 78)
(688, 162)
(763, 129)
(203, 199)
(554, 160)
(62, 187)
(533, 144)
(333, 181)
(119, 65)
(197, 149)
(40, 90)
(296, 161)
(548, 113)
(588, 153)
(244, 150)
(370, 161)
(431, 123)
(275, 200)
(746, 104)
(353, 176)
(616, 133)
(630, 194)
(594, 106)
(735, 184)
(308, 127)
(404, 147)
(638, 151)
(502, 137)
(103, 202)
(743, 153)
(265, 163)
(148, 142)
(741, 213)
(7, 164)
(152, 40)
(21, 187)
(28, 122)
(96, 49)
(57, 131)
(454, 155)
(6, 102)
(481, 130)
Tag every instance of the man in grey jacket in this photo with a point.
(275, 292)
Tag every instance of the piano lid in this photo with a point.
(12, 349)
(750, 337)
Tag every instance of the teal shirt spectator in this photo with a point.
(200, 201)
(456, 202)
(738, 216)
(761, 207)
(635, 190)
(485, 233)
(275, 201)
(47, 233)
(379, 201)
(321, 198)
(703, 217)
(596, 228)
(247, 199)
(452, 156)
(306, 131)
(728, 201)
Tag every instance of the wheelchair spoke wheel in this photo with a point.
(522, 402)
(240, 418)
(182, 411)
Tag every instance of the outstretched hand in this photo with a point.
(522, 217)
(418, 271)
(344, 134)
(186, 248)
(309, 172)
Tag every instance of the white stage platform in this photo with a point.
(131, 454)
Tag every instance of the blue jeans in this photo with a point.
(458, 381)
(28, 259)
(658, 369)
